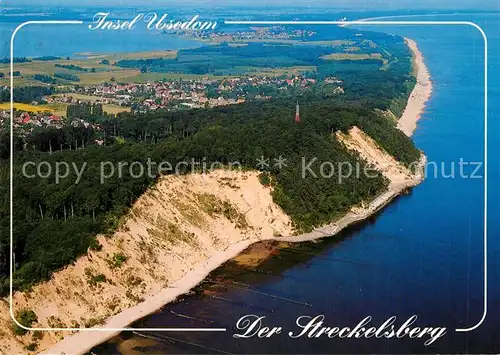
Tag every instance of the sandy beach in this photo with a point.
(83, 341)
(420, 94)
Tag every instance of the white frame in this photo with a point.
(460, 23)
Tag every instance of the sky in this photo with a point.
(491, 5)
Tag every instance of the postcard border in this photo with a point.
(466, 23)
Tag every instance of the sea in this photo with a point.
(423, 255)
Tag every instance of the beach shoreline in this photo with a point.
(421, 93)
(84, 341)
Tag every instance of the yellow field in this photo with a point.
(114, 109)
(59, 109)
(24, 107)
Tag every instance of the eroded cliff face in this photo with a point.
(178, 226)
(359, 142)
(173, 228)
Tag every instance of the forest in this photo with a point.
(66, 76)
(57, 221)
(72, 67)
(44, 78)
(227, 59)
(15, 60)
(26, 94)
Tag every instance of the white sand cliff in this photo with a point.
(176, 233)
(174, 236)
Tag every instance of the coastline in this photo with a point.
(82, 342)
(420, 94)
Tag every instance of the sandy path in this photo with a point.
(420, 94)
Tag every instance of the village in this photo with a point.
(184, 94)
(255, 34)
(169, 95)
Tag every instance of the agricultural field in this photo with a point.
(230, 59)
(24, 107)
(357, 56)
(283, 71)
(59, 109)
(352, 56)
(100, 72)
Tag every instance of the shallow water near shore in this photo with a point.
(421, 255)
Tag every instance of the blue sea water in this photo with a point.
(64, 40)
(422, 255)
